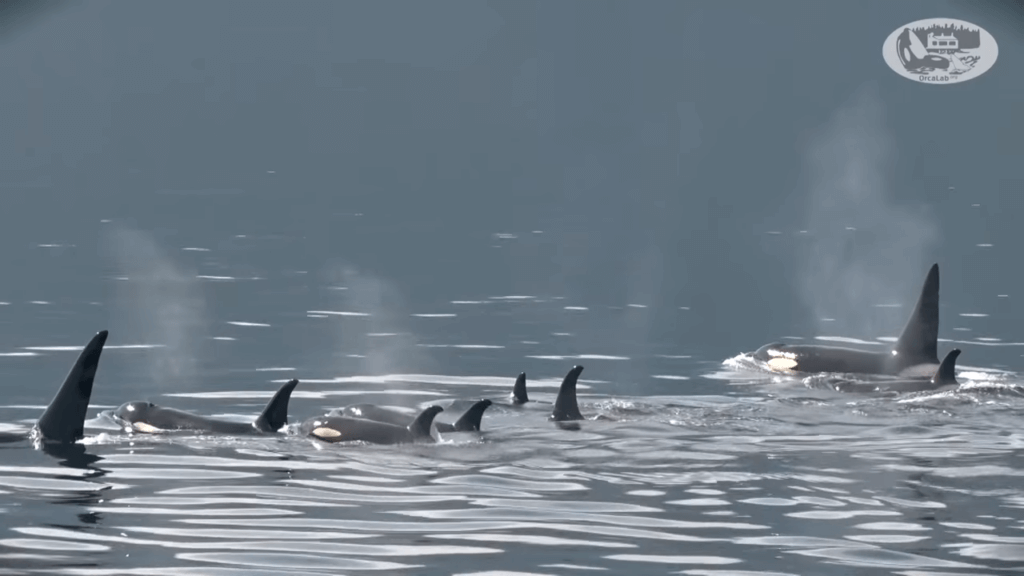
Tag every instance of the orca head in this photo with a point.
(769, 351)
(132, 412)
(778, 357)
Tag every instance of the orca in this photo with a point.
(915, 354)
(468, 422)
(944, 376)
(914, 56)
(519, 395)
(63, 420)
(335, 429)
(149, 418)
(566, 408)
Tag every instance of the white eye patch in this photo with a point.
(325, 432)
(146, 428)
(782, 364)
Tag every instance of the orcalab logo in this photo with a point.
(940, 51)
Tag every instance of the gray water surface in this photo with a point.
(409, 203)
(769, 475)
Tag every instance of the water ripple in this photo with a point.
(707, 485)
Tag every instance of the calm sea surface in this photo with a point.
(700, 467)
(410, 203)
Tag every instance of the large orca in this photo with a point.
(944, 376)
(346, 429)
(519, 395)
(63, 421)
(468, 422)
(149, 418)
(566, 408)
(914, 354)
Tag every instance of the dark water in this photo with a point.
(410, 203)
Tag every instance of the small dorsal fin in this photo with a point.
(275, 415)
(63, 421)
(519, 390)
(946, 374)
(566, 407)
(420, 427)
(918, 344)
(470, 420)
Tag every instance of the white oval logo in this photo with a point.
(940, 51)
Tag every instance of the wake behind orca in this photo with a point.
(914, 354)
(149, 418)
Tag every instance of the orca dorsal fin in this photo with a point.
(420, 427)
(519, 390)
(946, 374)
(918, 344)
(275, 415)
(63, 420)
(470, 420)
(566, 407)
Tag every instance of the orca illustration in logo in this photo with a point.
(940, 51)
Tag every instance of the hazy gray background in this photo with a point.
(754, 162)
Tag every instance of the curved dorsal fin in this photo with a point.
(420, 427)
(519, 390)
(63, 420)
(918, 344)
(566, 407)
(275, 415)
(470, 420)
(946, 374)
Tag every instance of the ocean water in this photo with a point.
(410, 203)
(717, 468)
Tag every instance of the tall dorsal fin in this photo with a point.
(470, 420)
(566, 407)
(275, 415)
(946, 374)
(420, 427)
(63, 421)
(519, 390)
(918, 344)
